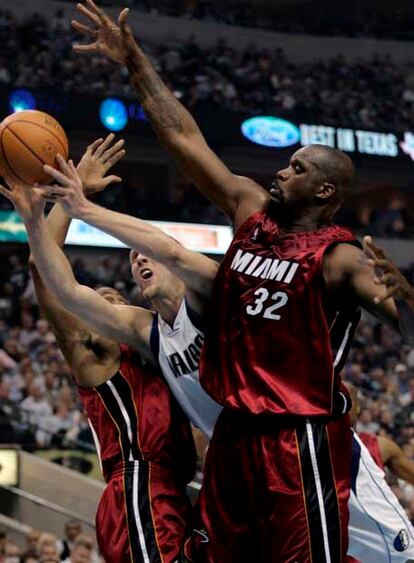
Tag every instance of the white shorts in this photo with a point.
(379, 530)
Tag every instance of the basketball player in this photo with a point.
(379, 530)
(276, 482)
(364, 509)
(143, 440)
(177, 330)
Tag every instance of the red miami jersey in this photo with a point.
(371, 442)
(276, 343)
(134, 417)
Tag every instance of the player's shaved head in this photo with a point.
(335, 166)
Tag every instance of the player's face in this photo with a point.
(152, 277)
(296, 185)
(112, 296)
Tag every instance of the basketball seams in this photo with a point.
(24, 144)
(11, 170)
(7, 126)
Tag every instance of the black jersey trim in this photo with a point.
(155, 337)
(116, 395)
(195, 318)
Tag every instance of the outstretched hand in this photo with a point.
(97, 160)
(395, 283)
(69, 190)
(115, 41)
(27, 201)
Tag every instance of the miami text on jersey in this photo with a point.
(264, 268)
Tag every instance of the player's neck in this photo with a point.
(301, 221)
(167, 306)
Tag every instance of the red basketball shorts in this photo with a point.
(275, 491)
(143, 516)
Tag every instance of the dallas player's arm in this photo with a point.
(72, 335)
(196, 270)
(388, 297)
(176, 129)
(395, 459)
(121, 323)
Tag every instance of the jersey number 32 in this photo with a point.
(267, 304)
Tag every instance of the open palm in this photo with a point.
(114, 41)
(98, 159)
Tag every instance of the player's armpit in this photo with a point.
(347, 271)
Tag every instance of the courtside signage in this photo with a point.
(278, 133)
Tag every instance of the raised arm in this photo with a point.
(196, 270)
(98, 158)
(176, 129)
(121, 323)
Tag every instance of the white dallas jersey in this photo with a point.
(178, 350)
(379, 530)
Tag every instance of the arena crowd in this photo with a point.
(42, 547)
(371, 93)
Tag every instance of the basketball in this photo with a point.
(28, 140)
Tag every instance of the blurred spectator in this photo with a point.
(47, 547)
(72, 529)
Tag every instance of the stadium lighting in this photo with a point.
(20, 100)
(271, 131)
(113, 114)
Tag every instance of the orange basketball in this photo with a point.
(28, 140)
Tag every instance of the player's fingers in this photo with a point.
(104, 145)
(389, 293)
(114, 159)
(112, 180)
(7, 193)
(86, 30)
(53, 190)
(374, 250)
(90, 48)
(88, 13)
(63, 165)
(113, 150)
(383, 264)
(57, 175)
(73, 171)
(387, 279)
(122, 19)
(124, 26)
(94, 9)
(93, 146)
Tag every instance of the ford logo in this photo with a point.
(271, 131)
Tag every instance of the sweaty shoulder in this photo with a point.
(252, 198)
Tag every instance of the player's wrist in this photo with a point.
(83, 209)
